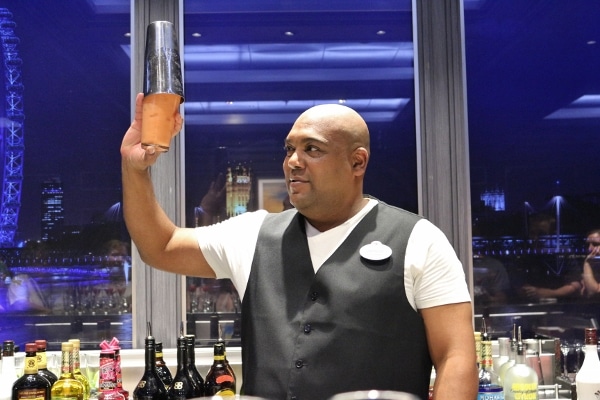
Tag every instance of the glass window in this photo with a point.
(250, 70)
(533, 97)
(65, 104)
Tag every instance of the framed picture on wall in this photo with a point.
(272, 195)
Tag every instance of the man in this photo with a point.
(591, 265)
(341, 293)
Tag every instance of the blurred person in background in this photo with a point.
(23, 294)
(591, 265)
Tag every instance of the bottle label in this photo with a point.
(31, 394)
(524, 391)
(107, 378)
(490, 396)
(225, 393)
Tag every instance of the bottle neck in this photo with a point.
(66, 366)
(31, 367)
(591, 354)
(181, 360)
(150, 359)
(42, 359)
(486, 355)
(8, 364)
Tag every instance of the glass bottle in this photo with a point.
(219, 381)
(489, 389)
(77, 368)
(150, 386)
(31, 385)
(512, 355)
(503, 353)
(520, 380)
(161, 367)
(182, 386)
(197, 380)
(229, 367)
(115, 346)
(107, 378)
(67, 387)
(587, 380)
(9, 371)
(42, 362)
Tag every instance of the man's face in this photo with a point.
(593, 241)
(317, 168)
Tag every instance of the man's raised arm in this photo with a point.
(161, 243)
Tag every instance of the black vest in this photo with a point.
(349, 327)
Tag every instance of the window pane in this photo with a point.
(533, 93)
(66, 103)
(252, 69)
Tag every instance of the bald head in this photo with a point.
(340, 120)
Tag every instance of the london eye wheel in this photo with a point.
(11, 130)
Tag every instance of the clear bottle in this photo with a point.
(67, 387)
(512, 355)
(197, 379)
(42, 362)
(182, 386)
(520, 380)
(219, 381)
(9, 371)
(503, 353)
(587, 380)
(31, 385)
(107, 378)
(150, 386)
(161, 366)
(489, 389)
(77, 368)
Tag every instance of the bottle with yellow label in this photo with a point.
(67, 387)
(219, 380)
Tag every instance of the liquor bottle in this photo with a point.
(9, 371)
(150, 386)
(77, 368)
(115, 346)
(182, 386)
(229, 367)
(587, 380)
(477, 335)
(520, 380)
(489, 389)
(161, 366)
(42, 362)
(197, 380)
(67, 387)
(512, 355)
(31, 385)
(219, 381)
(107, 379)
(503, 353)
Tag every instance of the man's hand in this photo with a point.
(132, 152)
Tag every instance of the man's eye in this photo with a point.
(288, 150)
(312, 148)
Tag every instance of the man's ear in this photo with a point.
(360, 158)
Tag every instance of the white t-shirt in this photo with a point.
(433, 273)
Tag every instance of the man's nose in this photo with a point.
(294, 160)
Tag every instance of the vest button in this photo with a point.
(314, 296)
(299, 364)
(307, 328)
